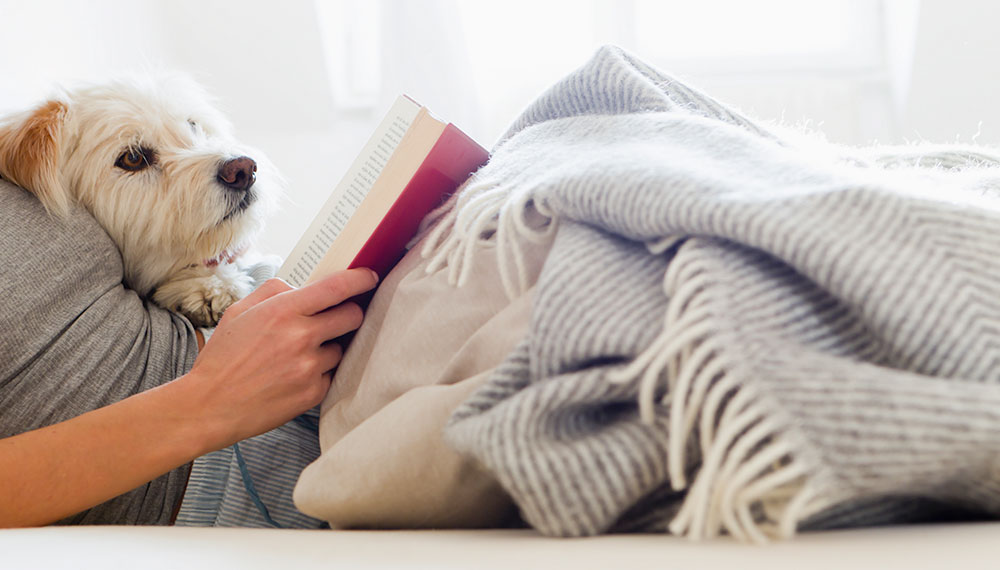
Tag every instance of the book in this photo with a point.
(410, 165)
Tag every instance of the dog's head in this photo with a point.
(153, 161)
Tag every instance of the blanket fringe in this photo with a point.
(749, 483)
(486, 214)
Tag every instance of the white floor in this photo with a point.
(968, 546)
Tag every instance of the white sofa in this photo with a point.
(957, 546)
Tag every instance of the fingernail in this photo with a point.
(374, 274)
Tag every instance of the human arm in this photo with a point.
(268, 361)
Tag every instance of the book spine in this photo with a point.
(452, 159)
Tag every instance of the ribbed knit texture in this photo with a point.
(737, 330)
(73, 338)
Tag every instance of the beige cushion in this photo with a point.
(424, 347)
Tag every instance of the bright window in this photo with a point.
(765, 34)
(779, 59)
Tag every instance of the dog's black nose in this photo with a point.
(238, 173)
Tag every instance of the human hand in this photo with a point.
(272, 355)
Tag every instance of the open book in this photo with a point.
(409, 166)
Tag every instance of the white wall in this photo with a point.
(43, 43)
(264, 59)
(955, 88)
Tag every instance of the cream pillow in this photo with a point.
(424, 347)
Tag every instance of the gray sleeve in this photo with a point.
(75, 339)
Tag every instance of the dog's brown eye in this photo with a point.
(134, 159)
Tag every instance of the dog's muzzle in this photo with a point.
(238, 175)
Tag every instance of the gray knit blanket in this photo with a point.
(737, 330)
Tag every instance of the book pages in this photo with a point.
(424, 132)
(349, 193)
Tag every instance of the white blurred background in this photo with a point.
(307, 80)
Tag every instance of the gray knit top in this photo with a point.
(74, 338)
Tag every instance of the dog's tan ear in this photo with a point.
(29, 154)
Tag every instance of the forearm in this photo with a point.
(54, 472)
(270, 359)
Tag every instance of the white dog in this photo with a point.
(157, 166)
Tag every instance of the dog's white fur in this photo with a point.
(178, 227)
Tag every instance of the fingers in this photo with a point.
(326, 360)
(270, 288)
(331, 353)
(332, 290)
(337, 321)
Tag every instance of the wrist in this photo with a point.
(190, 406)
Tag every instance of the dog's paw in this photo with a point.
(202, 294)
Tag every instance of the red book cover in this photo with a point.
(449, 163)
